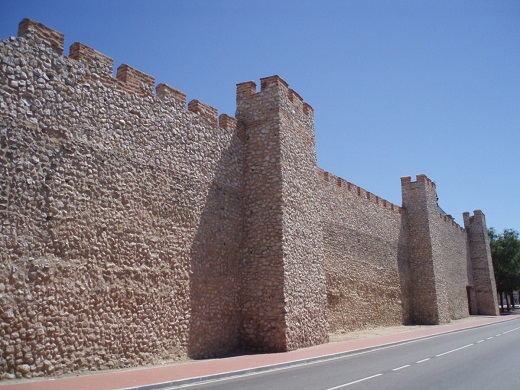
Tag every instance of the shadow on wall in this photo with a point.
(215, 261)
(404, 271)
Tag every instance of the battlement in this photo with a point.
(204, 110)
(274, 85)
(131, 79)
(450, 221)
(341, 184)
(165, 91)
(79, 51)
(55, 38)
(230, 123)
(421, 178)
(469, 220)
(134, 80)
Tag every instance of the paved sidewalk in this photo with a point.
(143, 378)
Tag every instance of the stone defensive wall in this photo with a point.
(363, 240)
(440, 264)
(121, 214)
(137, 228)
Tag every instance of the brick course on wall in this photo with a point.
(136, 229)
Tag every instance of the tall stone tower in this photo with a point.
(429, 299)
(284, 292)
(483, 291)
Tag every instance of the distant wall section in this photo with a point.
(363, 243)
(441, 273)
(483, 289)
(450, 246)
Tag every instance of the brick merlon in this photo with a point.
(246, 88)
(164, 90)
(205, 110)
(55, 38)
(79, 51)
(273, 80)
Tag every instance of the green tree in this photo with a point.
(505, 251)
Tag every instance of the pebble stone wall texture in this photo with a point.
(305, 287)
(443, 257)
(136, 229)
(429, 293)
(363, 238)
(284, 285)
(121, 213)
(482, 292)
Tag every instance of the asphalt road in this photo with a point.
(477, 358)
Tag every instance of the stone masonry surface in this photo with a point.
(137, 229)
(363, 241)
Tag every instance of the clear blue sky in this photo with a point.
(398, 87)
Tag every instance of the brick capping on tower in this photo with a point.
(247, 88)
(271, 81)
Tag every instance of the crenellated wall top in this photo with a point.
(127, 77)
(274, 85)
(363, 195)
(430, 185)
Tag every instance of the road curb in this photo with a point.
(176, 383)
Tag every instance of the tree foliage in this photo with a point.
(505, 251)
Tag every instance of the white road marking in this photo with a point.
(512, 330)
(419, 361)
(351, 383)
(454, 350)
(324, 358)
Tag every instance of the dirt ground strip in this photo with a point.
(382, 331)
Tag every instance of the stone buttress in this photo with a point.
(450, 269)
(284, 294)
(429, 301)
(483, 290)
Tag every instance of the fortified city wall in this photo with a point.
(438, 258)
(136, 229)
(364, 250)
(121, 215)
